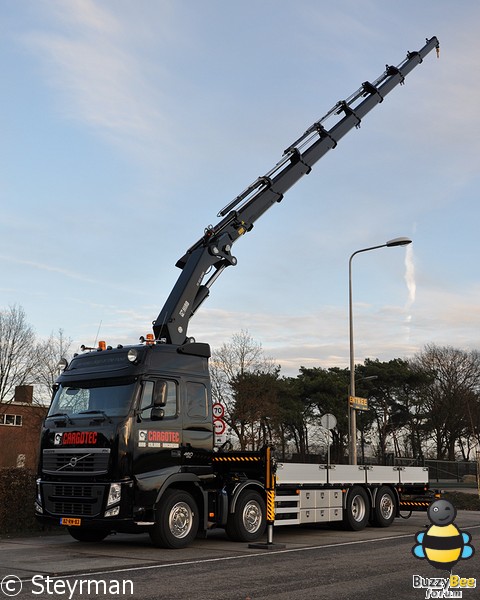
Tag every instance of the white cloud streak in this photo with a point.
(410, 280)
(66, 273)
(47, 267)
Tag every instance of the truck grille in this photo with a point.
(78, 461)
(73, 500)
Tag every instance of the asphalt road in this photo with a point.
(316, 563)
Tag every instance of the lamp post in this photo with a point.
(401, 241)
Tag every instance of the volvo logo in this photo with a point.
(72, 463)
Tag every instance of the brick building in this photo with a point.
(20, 425)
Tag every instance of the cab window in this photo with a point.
(197, 400)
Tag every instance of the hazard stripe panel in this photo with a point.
(236, 459)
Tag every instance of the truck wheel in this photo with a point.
(176, 524)
(248, 522)
(357, 509)
(87, 535)
(385, 507)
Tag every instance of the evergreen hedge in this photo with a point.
(17, 497)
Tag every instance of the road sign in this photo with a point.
(219, 426)
(358, 403)
(218, 410)
(328, 421)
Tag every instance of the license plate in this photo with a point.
(70, 522)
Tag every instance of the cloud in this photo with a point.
(318, 338)
(146, 80)
(411, 284)
(47, 267)
(68, 274)
(321, 338)
(87, 58)
(86, 13)
(410, 276)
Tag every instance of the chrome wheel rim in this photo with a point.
(252, 516)
(386, 506)
(181, 520)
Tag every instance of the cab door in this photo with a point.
(197, 417)
(157, 427)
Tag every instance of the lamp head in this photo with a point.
(401, 241)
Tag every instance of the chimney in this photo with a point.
(23, 394)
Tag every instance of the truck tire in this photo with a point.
(385, 507)
(87, 535)
(357, 509)
(177, 520)
(248, 522)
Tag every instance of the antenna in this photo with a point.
(98, 331)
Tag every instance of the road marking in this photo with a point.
(238, 557)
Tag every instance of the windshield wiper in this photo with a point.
(65, 415)
(98, 412)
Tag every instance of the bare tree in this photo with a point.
(47, 356)
(451, 399)
(17, 351)
(229, 365)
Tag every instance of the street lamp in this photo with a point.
(401, 241)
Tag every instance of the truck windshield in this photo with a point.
(110, 400)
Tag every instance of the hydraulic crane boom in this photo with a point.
(213, 249)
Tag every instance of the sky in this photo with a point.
(126, 125)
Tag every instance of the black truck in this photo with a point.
(128, 444)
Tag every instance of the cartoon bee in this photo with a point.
(443, 544)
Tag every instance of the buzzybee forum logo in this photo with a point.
(443, 545)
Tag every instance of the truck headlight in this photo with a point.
(39, 493)
(38, 499)
(132, 355)
(114, 494)
(112, 512)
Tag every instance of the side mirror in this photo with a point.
(157, 413)
(159, 395)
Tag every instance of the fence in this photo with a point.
(444, 470)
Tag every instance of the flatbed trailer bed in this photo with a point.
(353, 494)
